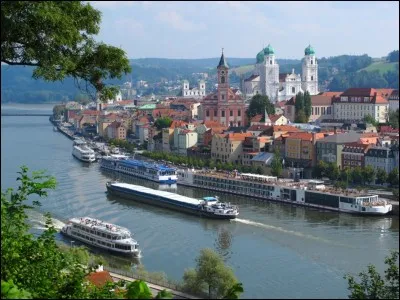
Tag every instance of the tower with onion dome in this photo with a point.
(310, 71)
(268, 70)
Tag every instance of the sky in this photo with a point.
(201, 29)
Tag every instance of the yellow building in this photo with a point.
(228, 147)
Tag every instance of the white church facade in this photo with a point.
(267, 80)
(193, 92)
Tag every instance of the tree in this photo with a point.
(234, 291)
(345, 175)
(381, 176)
(356, 175)
(393, 177)
(370, 120)
(333, 171)
(320, 169)
(300, 117)
(394, 118)
(58, 111)
(368, 174)
(393, 56)
(307, 105)
(299, 102)
(276, 164)
(212, 271)
(56, 37)
(163, 122)
(395, 194)
(372, 285)
(259, 104)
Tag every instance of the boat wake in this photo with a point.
(38, 221)
(280, 229)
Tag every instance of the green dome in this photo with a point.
(260, 56)
(269, 50)
(309, 50)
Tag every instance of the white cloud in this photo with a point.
(177, 22)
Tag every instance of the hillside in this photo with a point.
(335, 73)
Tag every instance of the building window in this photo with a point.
(223, 97)
(270, 62)
(239, 124)
(293, 90)
(238, 113)
(312, 63)
(207, 113)
(222, 113)
(222, 79)
(312, 78)
(231, 113)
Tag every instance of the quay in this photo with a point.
(154, 287)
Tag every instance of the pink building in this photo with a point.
(224, 106)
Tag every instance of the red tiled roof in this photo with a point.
(257, 118)
(258, 127)
(124, 102)
(280, 104)
(307, 136)
(274, 118)
(381, 100)
(176, 124)
(287, 128)
(385, 92)
(321, 100)
(99, 278)
(331, 94)
(213, 124)
(237, 136)
(231, 96)
(91, 112)
(384, 129)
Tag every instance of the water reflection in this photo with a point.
(223, 242)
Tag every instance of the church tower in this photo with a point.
(270, 74)
(223, 79)
(310, 71)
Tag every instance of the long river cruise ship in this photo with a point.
(155, 172)
(209, 207)
(82, 152)
(101, 234)
(311, 193)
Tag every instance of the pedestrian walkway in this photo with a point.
(155, 288)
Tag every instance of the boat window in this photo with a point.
(108, 236)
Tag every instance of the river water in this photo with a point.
(275, 250)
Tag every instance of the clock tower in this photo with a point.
(223, 79)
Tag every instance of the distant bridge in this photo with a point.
(26, 115)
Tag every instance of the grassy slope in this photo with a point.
(381, 66)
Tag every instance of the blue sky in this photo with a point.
(201, 29)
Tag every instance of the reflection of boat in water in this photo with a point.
(101, 234)
(207, 207)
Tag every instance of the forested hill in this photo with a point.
(335, 74)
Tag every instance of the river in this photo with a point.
(275, 250)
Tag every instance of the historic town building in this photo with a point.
(267, 80)
(224, 106)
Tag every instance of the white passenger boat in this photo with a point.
(82, 152)
(311, 193)
(101, 234)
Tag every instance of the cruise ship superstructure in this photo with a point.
(155, 172)
(82, 152)
(311, 193)
(102, 234)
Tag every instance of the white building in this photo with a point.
(188, 92)
(394, 100)
(356, 103)
(280, 87)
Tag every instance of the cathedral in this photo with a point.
(267, 80)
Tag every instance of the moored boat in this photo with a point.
(209, 207)
(101, 234)
(311, 193)
(81, 151)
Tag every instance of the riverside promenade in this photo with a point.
(155, 288)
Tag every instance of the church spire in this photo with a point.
(267, 120)
(222, 61)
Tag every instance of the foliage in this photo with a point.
(369, 119)
(356, 174)
(319, 170)
(345, 175)
(393, 177)
(10, 291)
(395, 194)
(191, 283)
(276, 164)
(56, 37)
(212, 272)
(138, 289)
(58, 111)
(259, 104)
(368, 174)
(163, 122)
(333, 171)
(234, 291)
(307, 105)
(381, 176)
(393, 56)
(394, 118)
(372, 285)
(164, 294)
(300, 117)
